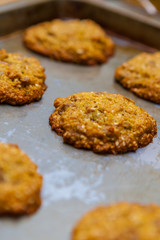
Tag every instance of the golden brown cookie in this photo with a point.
(103, 122)
(20, 184)
(121, 221)
(77, 41)
(21, 79)
(141, 75)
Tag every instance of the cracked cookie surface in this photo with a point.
(141, 75)
(102, 122)
(77, 41)
(21, 79)
(20, 184)
(120, 221)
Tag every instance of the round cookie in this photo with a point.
(77, 41)
(20, 184)
(121, 221)
(103, 122)
(141, 75)
(21, 79)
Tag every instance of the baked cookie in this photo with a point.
(20, 184)
(141, 75)
(77, 41)
(103, 122)
(121, 221)
(21, 79)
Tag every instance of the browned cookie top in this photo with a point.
(103, 122)
(78, 41)
(122, 221)
(21, 79)
(20, 184)
(141, 75)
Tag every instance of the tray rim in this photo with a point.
(125, 17)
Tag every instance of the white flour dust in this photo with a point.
(65, 185)
(3, 139)
(11, 132)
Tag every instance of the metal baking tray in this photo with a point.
(75, 180)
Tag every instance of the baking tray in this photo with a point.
(75, 180)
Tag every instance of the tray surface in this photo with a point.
(75, 180)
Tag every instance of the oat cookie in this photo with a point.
(103, 122)
(77, 41)
(121, 221)
(21, 79)
(141, 75)
(20, 184)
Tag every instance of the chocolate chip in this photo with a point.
(1, 175)
(64, 107)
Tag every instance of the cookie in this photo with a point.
(102, 122)
(21, 79)
(77, 41)
(141, 75)
(121, 221)
(20, 184)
